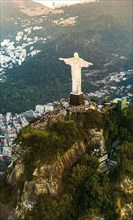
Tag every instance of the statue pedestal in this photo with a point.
(76, 99)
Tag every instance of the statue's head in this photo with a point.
(76, 56)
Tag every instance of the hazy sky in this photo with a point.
(49, 3)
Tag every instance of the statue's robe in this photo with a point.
(76, 66)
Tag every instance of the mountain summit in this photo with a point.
(58, 168)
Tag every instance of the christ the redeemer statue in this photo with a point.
(76, 64)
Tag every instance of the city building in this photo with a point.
(120, 103)
(29, 115)
(8, 116)
(40, 108)
(48, 107)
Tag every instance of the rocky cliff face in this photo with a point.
(59, 153)
(127, 208)
(46, 178)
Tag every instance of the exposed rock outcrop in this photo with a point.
(127, 209)
(127, 185)
(47, 179)
(127, 212)
(16, 174)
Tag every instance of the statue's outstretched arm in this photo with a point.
(85, 63)
(66, 60)
(90, 64)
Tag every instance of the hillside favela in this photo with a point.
(66, 110)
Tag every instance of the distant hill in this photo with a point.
(22, 10)
(30, 8)
(102, 34)
(7, 25)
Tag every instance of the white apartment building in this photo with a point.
(40, 108)
(8, 116)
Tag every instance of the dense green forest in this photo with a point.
(85, 193)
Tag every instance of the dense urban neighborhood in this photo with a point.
(16, 52)
(10, 126)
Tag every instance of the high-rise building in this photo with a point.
(122, 104)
